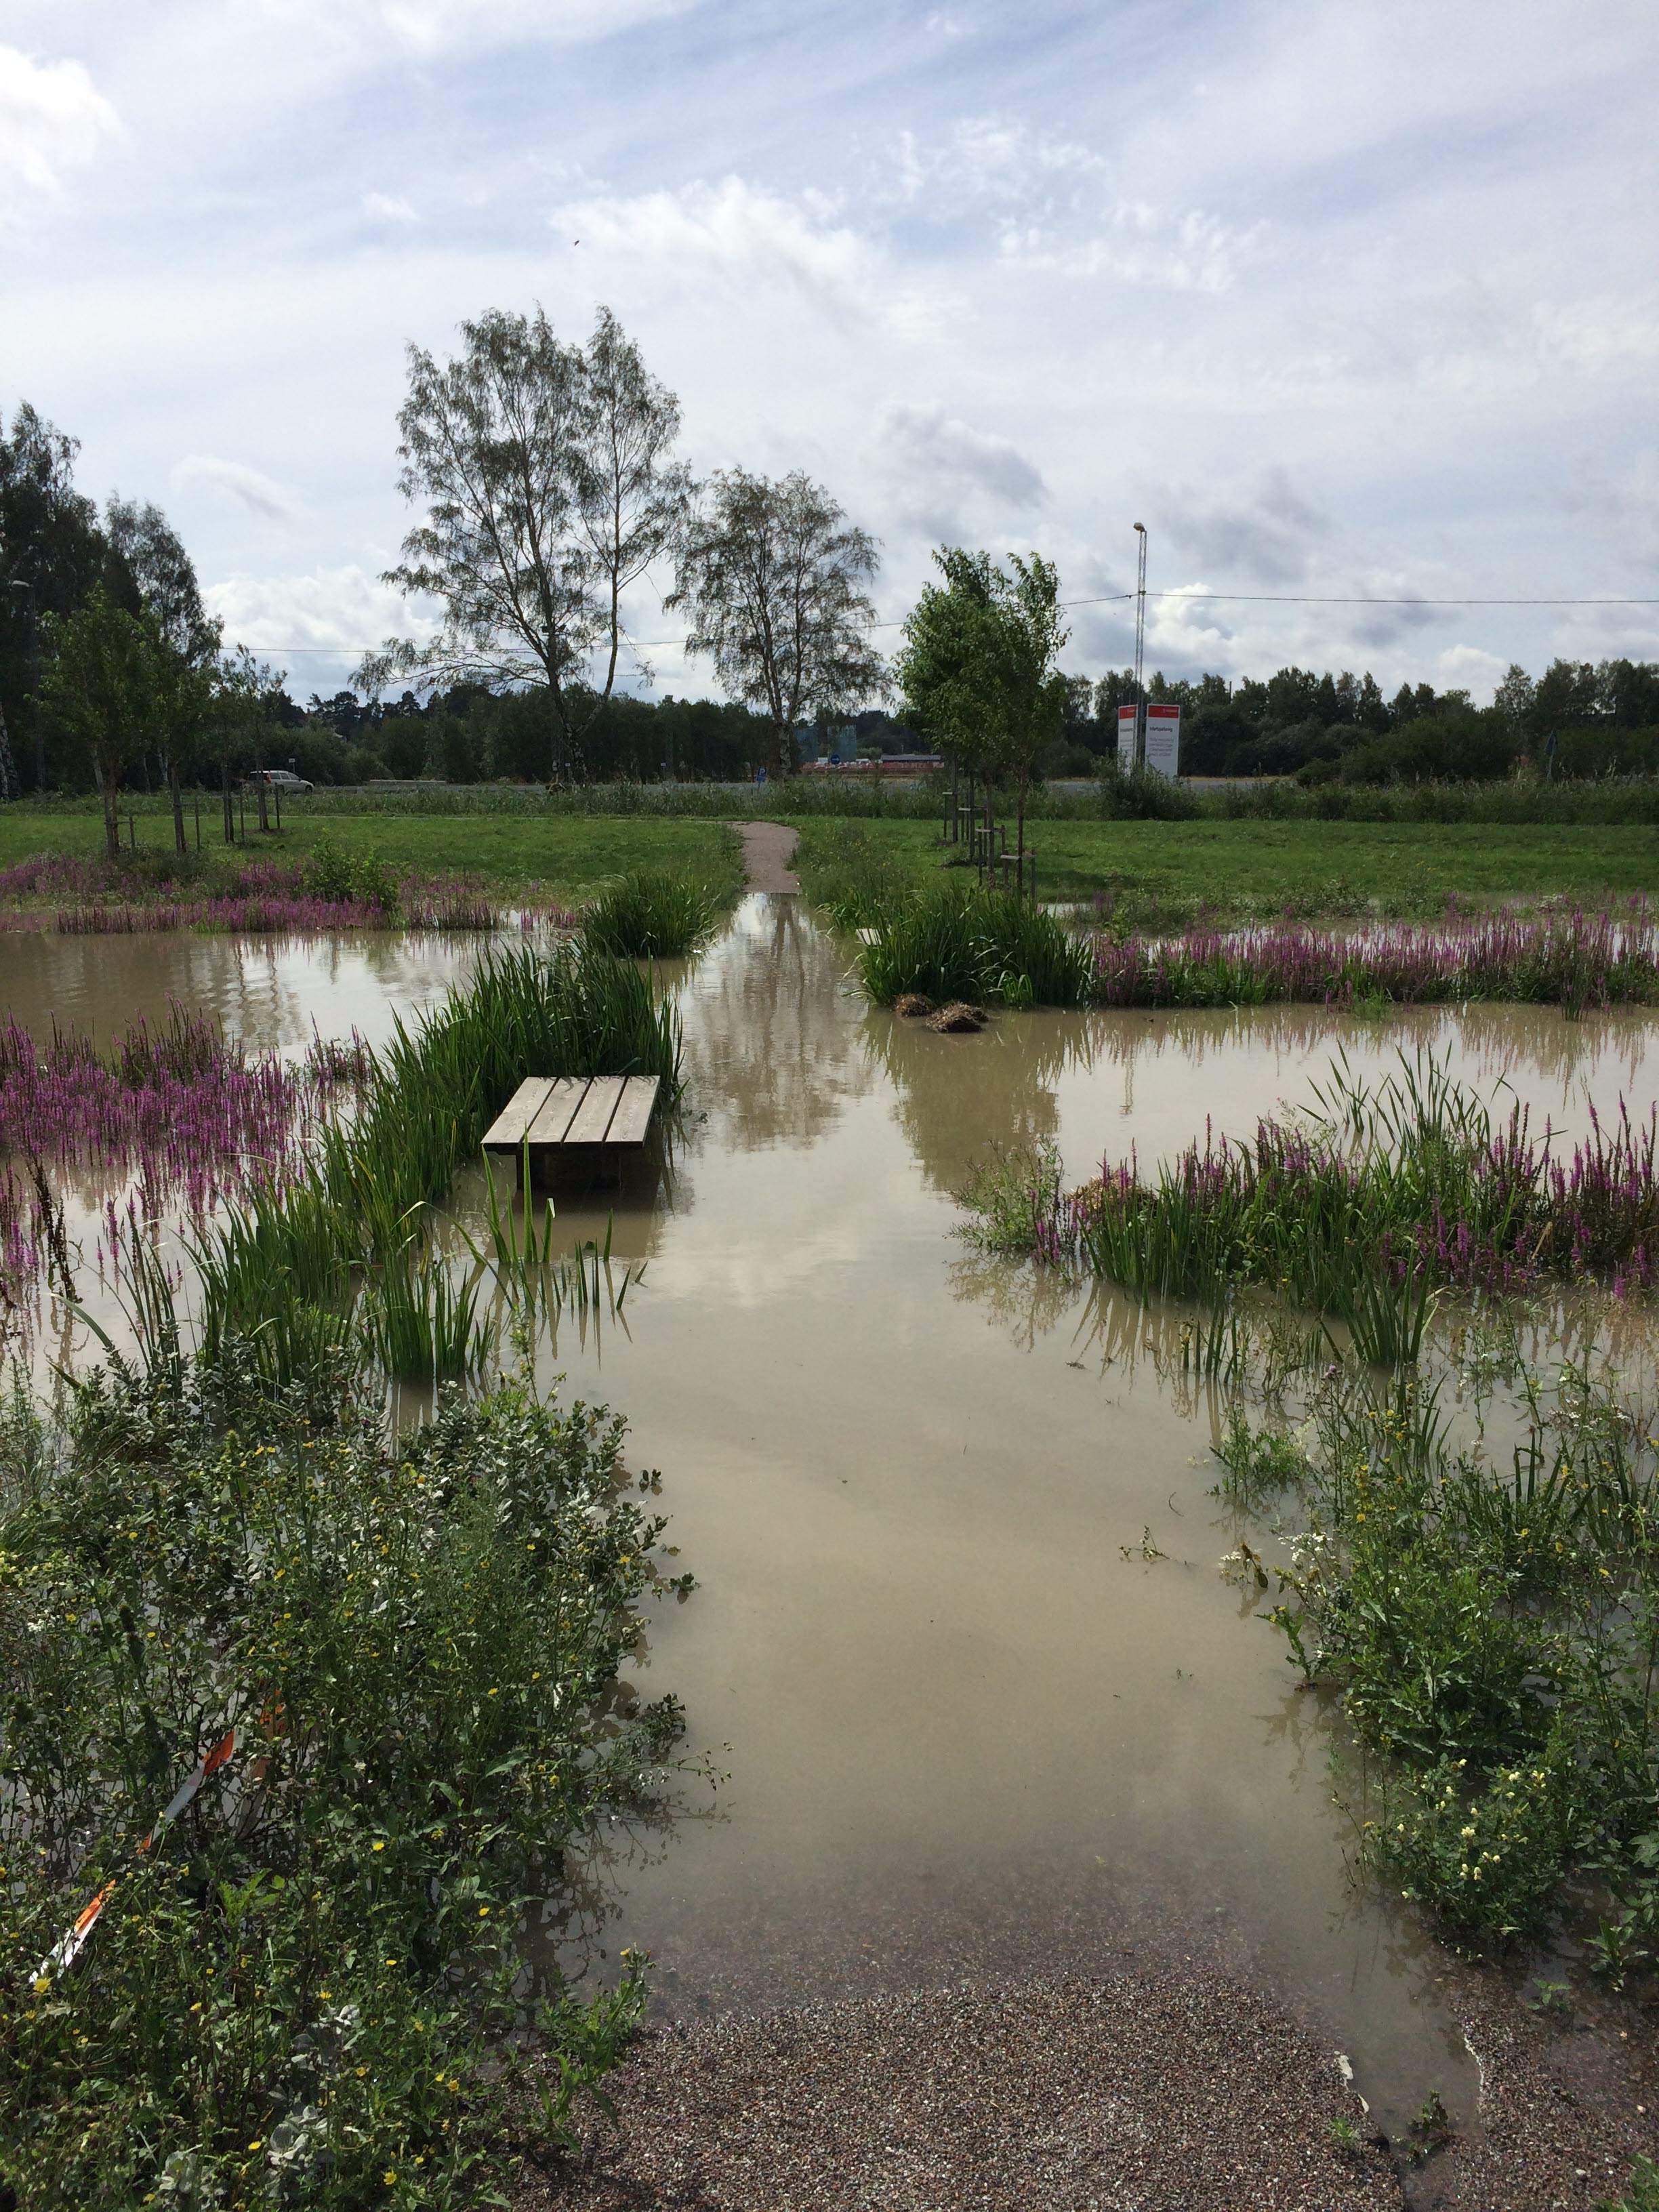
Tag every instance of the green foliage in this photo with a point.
(950, 945)
(978, 663)
(309, 1987)
(857, 879)
(279, 1274)
(1641, 2192)
(1010, 1196)
(1260, 1461)
(1494, 1630)
(421, 1325)
(1132, 793)
(649, 915)
(335, 873)
(771, 577)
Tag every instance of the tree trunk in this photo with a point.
(112, 820)
(224, 793)
(1019, 863)
(10, 786)
(178, 844)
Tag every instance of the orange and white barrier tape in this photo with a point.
(65, 1952)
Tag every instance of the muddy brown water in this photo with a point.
(962, 1722)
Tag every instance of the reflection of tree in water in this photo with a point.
(959, 1097)
(770, 1054)
(1490, 1040)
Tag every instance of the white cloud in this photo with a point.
(235, 480)
(733, 230)
(1469, 668)
(431, 28)
(52, 118)
(325, 621)
(386, 208)
(1138, 243)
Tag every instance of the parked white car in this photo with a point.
(280, 778)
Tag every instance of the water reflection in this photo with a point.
(968, 1725)
(767, 1046)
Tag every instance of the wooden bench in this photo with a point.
(581, 1116)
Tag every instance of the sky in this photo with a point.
(1344, 301)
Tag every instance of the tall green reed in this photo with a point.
(285, 1261)
(950, 944)
(650, 914)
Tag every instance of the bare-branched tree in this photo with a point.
(546, 473)
(773, 578)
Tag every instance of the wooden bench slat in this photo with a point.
(565, 1100)
(512, 1124)
(632, 1118)
(592, 1117)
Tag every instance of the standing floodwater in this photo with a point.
(960, 1652)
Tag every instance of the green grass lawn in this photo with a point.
(568, 856)
(1315, 866)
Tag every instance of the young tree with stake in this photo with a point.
(978, 665)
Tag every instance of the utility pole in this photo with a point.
(1140, 650)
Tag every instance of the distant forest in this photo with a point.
(1579, 718)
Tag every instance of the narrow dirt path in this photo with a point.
(768, 849)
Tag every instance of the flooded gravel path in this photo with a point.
(981, 1708)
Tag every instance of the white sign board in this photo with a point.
(1164, 740)
(1126, 736)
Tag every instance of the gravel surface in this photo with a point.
(1136, 2091)
(768, 849)
(1142, 2091)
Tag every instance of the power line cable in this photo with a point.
(1110, 598)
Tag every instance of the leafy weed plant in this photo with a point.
(306, 1987)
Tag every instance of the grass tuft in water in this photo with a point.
(949, 944)
(1360, 1209)
(651, 914)
(281, 1271)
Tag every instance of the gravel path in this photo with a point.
(768, 849)
(1134, 2091)
(1145, 2090)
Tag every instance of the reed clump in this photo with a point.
(1360, 1208)
(945, 944)
(281, 1272)
(650, 914)
(1577, 960)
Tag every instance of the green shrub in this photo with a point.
(348, 878)
(309, 1987)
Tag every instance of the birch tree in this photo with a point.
(545, 473)
(773, 578)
